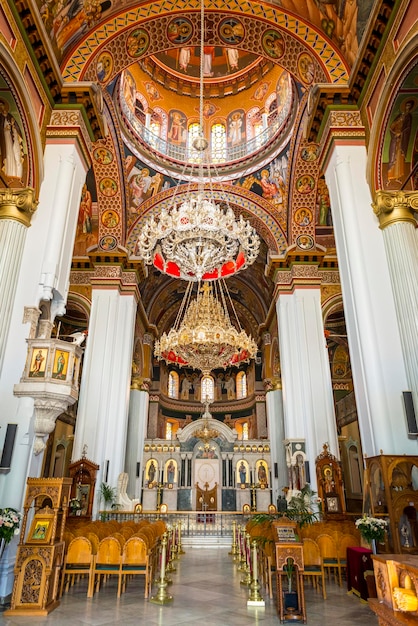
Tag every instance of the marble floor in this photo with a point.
(206, 590)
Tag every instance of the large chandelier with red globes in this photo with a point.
(199, 239)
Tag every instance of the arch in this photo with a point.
(207, 388)
(173, 384)
(186, 433)
(241, 385)
(28, 117)
(299, 37)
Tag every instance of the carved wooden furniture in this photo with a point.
(290, 564)
(314, 564)
(40, 552)
(330, 483)
(391, 491)
(79, 560)
(397, 585)
(83, 474)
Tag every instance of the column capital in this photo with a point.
(395, 206)
(18, 205)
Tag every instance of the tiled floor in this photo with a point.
(206, 590)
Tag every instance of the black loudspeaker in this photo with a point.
(410, 413)
(276, 471)
(138, 469)
(106, 472)
(9, 442)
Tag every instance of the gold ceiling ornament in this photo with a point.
(203, 431)
(196, 238)
(203, 336)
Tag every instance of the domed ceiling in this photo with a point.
(260, 59)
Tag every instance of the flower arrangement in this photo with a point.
(9, 523)
(372, 528)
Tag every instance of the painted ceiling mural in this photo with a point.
(342, 21)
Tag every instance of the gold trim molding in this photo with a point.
(18, 204)
(395, 206)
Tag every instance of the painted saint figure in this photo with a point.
(151, 472)
(11, 145)
(36, 367)
(184, 58)
(242, 473)
(262, 474)
(171, 469)
(400, 131)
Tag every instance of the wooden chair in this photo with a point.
(329, 554)
(347, 541)
(313, 564)
(108, 562)
(136, 561)
(79, 560)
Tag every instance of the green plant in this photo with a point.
(108, 495)
(300, 509)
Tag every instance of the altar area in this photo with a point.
(206, 469)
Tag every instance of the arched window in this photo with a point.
(218, 143)
(168, 430)
(173, 385)
(245, 431)
(241, 382)
(192, 134)
(208, 389)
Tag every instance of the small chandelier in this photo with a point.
(204, 338)
(196, 239)
(205, 433)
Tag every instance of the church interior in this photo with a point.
(208, 270)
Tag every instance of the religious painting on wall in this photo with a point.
(66, 21)
(38, 362)
(87, 221)
(400, 153)
(59, 370)
(236, 127)
(13, 149)
(218, 61)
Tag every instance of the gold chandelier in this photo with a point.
(205, 433)
(203, 336)
(196, 238)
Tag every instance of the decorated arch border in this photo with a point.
(265, 224)
(254, 17)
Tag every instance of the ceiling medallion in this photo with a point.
(196, 238)
(203, 336)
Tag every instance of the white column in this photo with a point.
(373, 335)
(137, 430)
(275, 419)
(16, 410)
(395, 211)
(16, 208)
(19, 410)
(62, 223)
(306, 378)
(102, 418)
